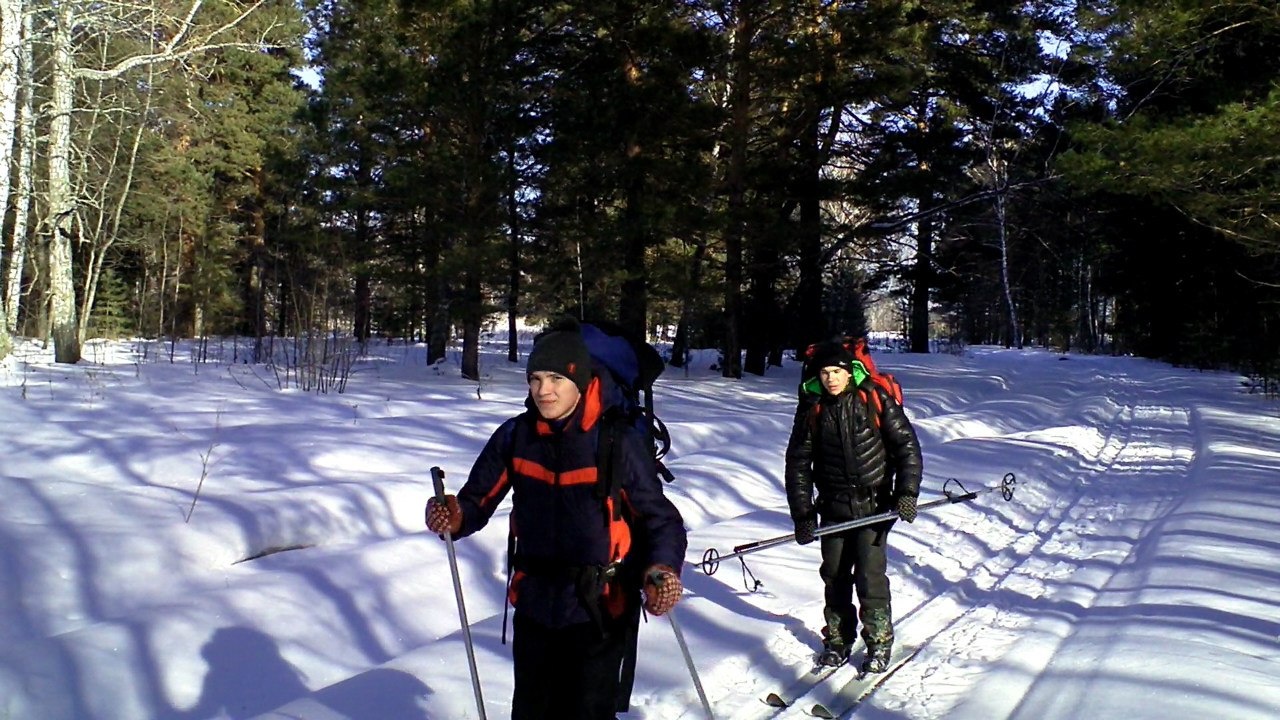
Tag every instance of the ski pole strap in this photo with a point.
(711, 558)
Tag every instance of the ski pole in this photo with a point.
(657, 579)
(437, 479)
(711, 558)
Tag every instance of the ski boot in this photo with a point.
(877, 660)
(877, 632)
(833, 654)
(835, 651)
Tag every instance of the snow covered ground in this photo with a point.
(1133, 575)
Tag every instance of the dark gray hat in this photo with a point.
(562, 350)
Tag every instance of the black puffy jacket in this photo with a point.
(855, 465)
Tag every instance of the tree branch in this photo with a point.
(890, 225)
(171, 51)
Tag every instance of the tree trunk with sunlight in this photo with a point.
(23, 187)
(62, 290)
(185, 39)
(923, 282)
(10, 52)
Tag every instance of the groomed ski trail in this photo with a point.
(944, 625)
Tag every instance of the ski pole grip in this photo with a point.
(437, 481)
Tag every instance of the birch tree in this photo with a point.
(198, 27)
(10, 52)
(24, 185)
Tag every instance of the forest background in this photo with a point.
(1100, 176)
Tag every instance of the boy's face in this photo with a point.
(554, 394)
(834, 379)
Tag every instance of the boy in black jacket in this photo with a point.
(855, 448)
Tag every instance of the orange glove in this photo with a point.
(444, 516)
(662, 588)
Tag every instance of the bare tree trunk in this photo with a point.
(923, 282)
(806, 319)
(25, 184)
(739, 114)
(1015, 328)
(1088, 309)
(471, 326)
(633, 305)
(10, 54)
(256, 289)
(363, 325)
(680, 346)
(162, 285)
(10, 62)
(513, 260)
(62, 291)
(436, 295)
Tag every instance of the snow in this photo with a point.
(1132, 575)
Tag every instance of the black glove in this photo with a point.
(805, 531)
(907, 507)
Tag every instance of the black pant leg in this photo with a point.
(593, 693)
(872, 581)
(836, 571)
(568, 673)
(870, 568)
(535, 655)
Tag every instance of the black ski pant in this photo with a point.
(568, 673)
(854, 561)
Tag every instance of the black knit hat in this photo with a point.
(561, 350)
(831, 354)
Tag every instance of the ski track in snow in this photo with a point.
(974, 583)
(1054, 557)
(1060, 562)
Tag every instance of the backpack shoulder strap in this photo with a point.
(873, 397)
(609, 472)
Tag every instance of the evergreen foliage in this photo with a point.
(751, 175)
(1186, 170)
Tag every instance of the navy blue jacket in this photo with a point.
(559, 518)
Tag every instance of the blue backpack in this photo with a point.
(633, 365)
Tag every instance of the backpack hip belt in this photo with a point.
(552, 569)
(590, 582)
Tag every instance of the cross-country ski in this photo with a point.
(853, 692)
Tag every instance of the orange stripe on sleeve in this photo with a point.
(497, 490)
